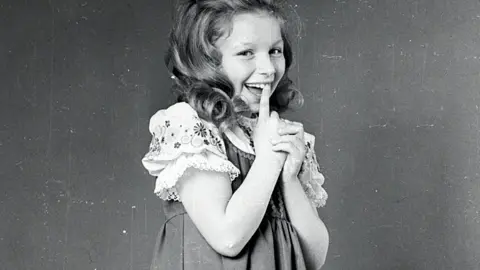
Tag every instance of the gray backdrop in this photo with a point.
(391, 92)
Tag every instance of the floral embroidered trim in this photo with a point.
(178, 133)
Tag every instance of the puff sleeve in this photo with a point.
(310, 176)
(180, 140)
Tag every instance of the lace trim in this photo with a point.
(310, 175)
(180, 139)
(166, 181)
(316, 193)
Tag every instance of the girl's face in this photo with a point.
(252, 56)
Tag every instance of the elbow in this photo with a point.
(227, 251)
(324, 243)
(315, 244)
(229, 246)
(321, 263)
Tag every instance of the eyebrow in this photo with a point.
(250, 43)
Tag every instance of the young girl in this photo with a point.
(240, 185)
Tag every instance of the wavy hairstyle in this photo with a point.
(194, 61)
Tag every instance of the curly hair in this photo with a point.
(194, 61)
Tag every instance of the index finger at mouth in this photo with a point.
(264, 109)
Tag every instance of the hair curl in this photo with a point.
(194, 61)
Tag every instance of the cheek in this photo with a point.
(280, 67)
(236, 72)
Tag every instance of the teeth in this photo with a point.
(258, 85)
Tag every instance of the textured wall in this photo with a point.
(80, 80)
(393, 93)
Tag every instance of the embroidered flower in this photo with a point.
(200, 129)
(216, 141)
(206, 142)
(167, 123)
(155, 145)
(177, 145)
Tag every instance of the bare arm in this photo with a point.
(226, 220)
(312, 232)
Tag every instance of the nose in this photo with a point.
(265, 66)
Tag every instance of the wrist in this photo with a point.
(271, 160)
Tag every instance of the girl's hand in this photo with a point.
(292, 142)
(266, 131)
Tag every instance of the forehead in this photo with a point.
(258, 29)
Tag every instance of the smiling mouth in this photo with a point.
(255, 89)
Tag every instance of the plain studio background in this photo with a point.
(392, 92)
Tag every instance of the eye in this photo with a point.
(277, 51)
(246, 53)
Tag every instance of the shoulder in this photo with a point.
(182, 140)
(179, 127)
(180, 112)
(181, 118)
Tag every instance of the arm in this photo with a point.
(301, 168)
(312, 232)
(228, 221)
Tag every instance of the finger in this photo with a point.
(274, 115)
(290, 129)
(264, 110)
(290, 150)
(285, 147)
(292, 139)
(291, 123)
